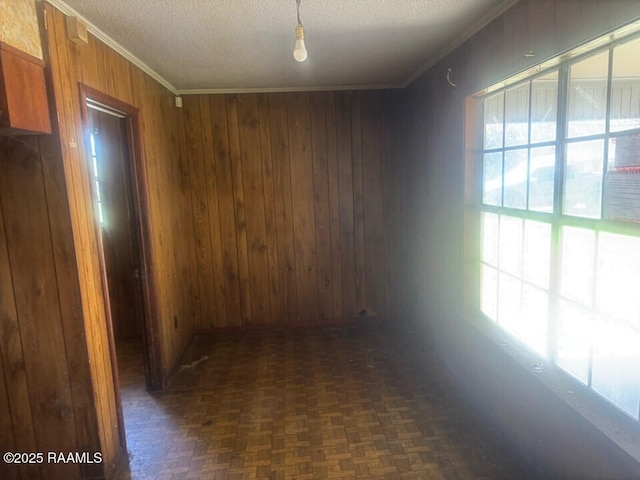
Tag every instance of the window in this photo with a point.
(559, 216)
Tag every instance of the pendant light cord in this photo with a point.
(298, 11)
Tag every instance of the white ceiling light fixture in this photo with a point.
(299, 51)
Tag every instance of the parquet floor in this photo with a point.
(350, 402)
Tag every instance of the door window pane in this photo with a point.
(517, 116)
(544, 102)
(537, 252)
(511, 245)
(625, 87)
(492, 178)
(515, 178)
(542, 178)
(588, 96)
(576, 280)
(493, 121)
(583, 179)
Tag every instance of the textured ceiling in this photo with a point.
(241, 45)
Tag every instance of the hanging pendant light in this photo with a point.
(299, 51)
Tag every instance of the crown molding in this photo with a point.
(107, 40)
(474, 28)
(329, 88)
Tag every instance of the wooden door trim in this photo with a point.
(137, 171)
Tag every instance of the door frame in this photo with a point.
(142, 238)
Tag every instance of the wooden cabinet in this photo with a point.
(24, 108)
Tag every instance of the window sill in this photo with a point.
(621, 430)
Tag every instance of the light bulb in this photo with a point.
(299, 51)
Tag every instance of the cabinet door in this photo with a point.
(23, 95)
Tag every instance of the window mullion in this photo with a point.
(554, 274)
(607, 126)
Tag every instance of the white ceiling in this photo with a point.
(244, 45)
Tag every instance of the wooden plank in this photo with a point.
(88, 62)
(303, 211)
(78, 365)
(358, 202)
(8, 471)
(65, 69)
(239, 205)
(211, 198)
(345, 182)
(124, 87)
(334, 205)
(321, 202)
(270, 208)
(29, 245)
(226, 210)
(392, 214)
(195, 306)
(372, 151)
(280, 156)
(252, 178)
(102, 80)
(193, 127)
(16, 422)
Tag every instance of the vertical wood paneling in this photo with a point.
(334, 205)
(393, 213)
(301, 165)
(192, 264)
(226, 211)
(254, 197)
(64, 68)
(278, 123)
(239, 208)
(30, 258)
(269, 208)
(9, 472)
(321, 204)
(70, 300)
(345, 188)
(82, 414)
(194, 126)
(281, 186)
(373, 199)
(219, 316)
(358, 202)
(16, 424)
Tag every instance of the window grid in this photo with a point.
(557, 218)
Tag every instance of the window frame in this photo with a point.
(557, 219)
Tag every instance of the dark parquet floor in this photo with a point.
(351, 402)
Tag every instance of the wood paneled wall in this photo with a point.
(46, 388)
(293, 199)
(430, 148)
(101, 68)
(56, 385)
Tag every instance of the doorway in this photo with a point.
(114, 204)
(118, 185)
